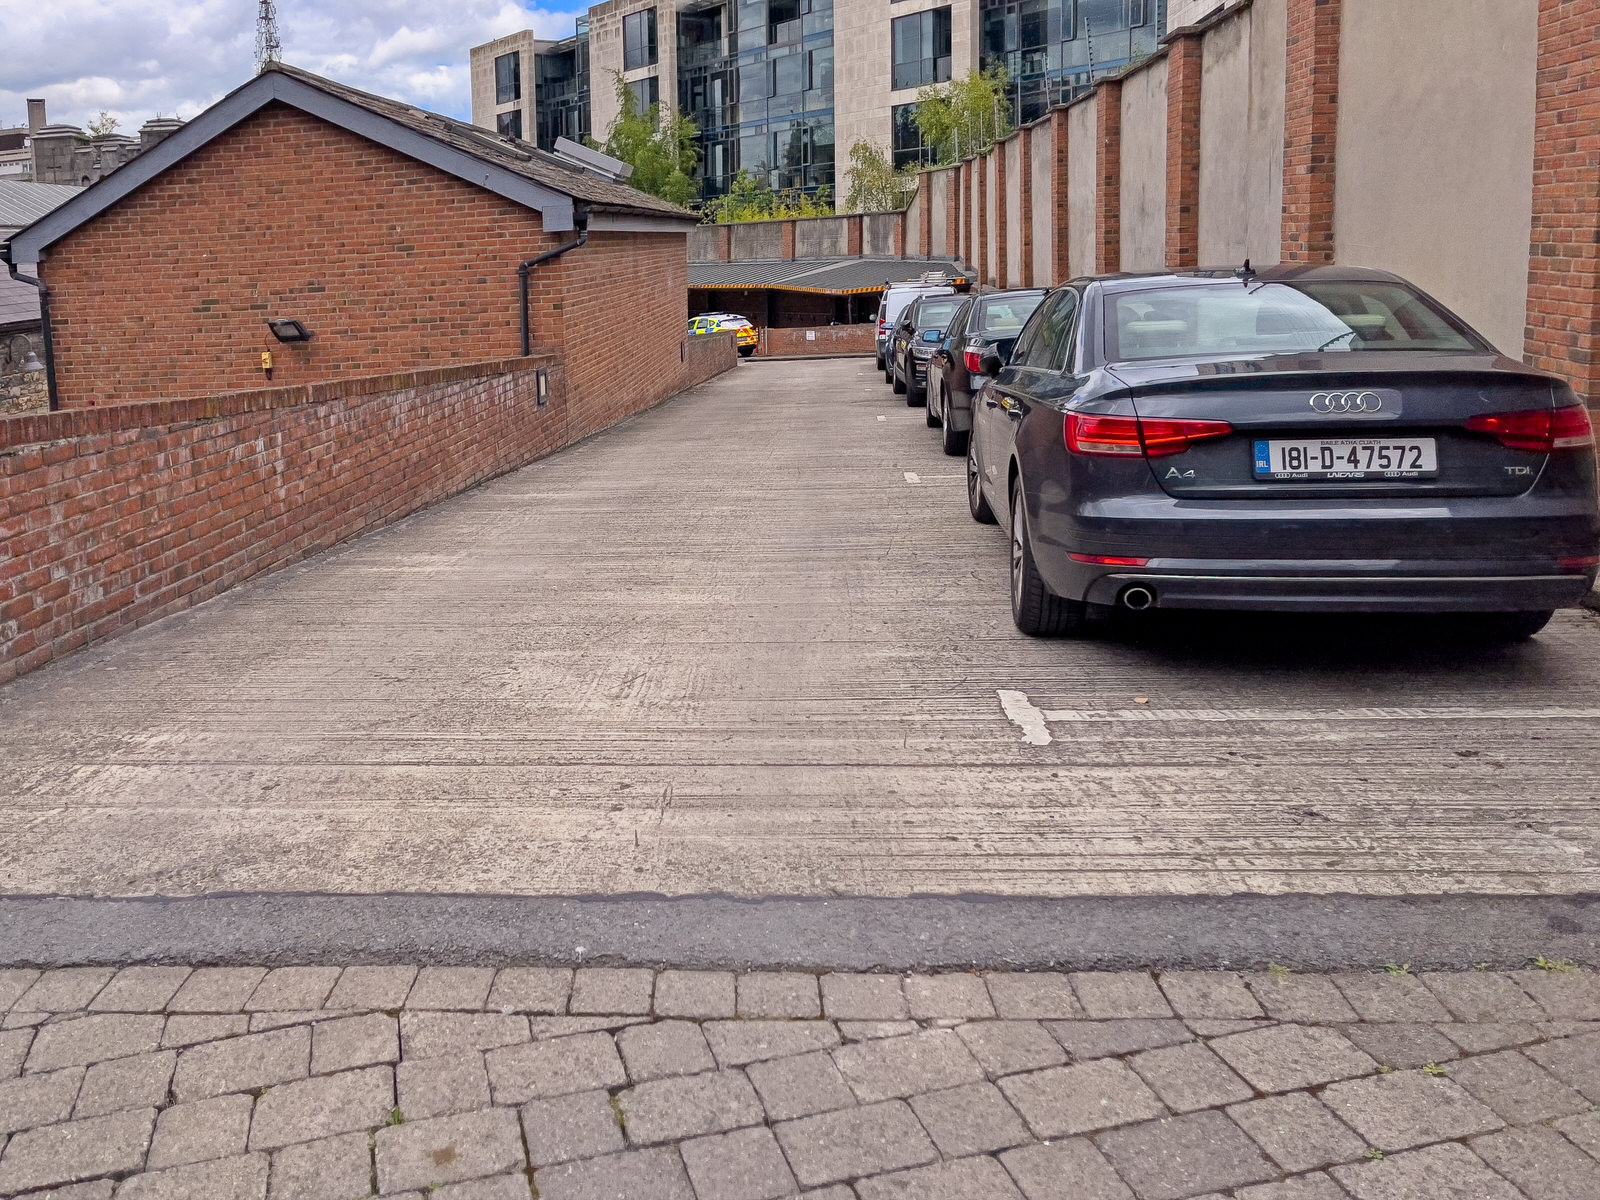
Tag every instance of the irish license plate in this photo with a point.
(1347, 458)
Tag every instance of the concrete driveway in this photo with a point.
(750, 643)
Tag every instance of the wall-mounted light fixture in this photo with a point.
(289, 330)
(543, 388)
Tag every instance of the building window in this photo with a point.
(639, 39)
(921, 48)
(646, 93)
(509, 124)
(1139, 13)
(507, 78)
(908, 145)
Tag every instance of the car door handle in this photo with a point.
(988, 397)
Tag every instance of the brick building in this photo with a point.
(394, 236)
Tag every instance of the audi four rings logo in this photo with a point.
(1347, 402)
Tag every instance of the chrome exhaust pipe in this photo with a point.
(1137, 598)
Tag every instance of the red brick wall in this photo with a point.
(1183, 151)
(112, 517)
(1310, 130)
(827, 340)
(998, 201)
(1563, 332)
(1025, 201)
(1060, 260)
(1108, 176)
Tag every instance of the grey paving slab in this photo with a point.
(308, 1109)
(42, 1099)
(778, 994)
(80, 1040)
(551, 1068)
(688, 1106)
(240, 1064)
(1064, 1170)
(1286, 1057)
(973, 1119)
(438, 1087)
(1573, 1060)
(1189, 1077)
(961, 1179)
(1084, 1040)
(1563, 995)
(950, 996)
(1390, 996)
(420, 1154)
(1119, 994)
(14, 1045)
(851, 997)
(74, 1150)
(189, 1030)
(372, 987)
(432, 1034)
(95, 1189)
(1062, 1101)
(563, 1128)
(541, 990)
(1516, 1088)
(1432, 1173)
(1404, 1044)
(501, 1187)
(201, 1130)
(139, 989)
(652, 1174)
(664, 1048)
(242, 1178)
(65, 989)
(1021, 995)
(1298, 1131)
(1545, 1165)
(140, 1081)
(1317, 1186)
(1482, 996)
(736, 1043)
(1479, 1038)
(743, 1165)
(800, 1085)
(866, 1031)
(261, 1022)
(217, 990)
(611, 990)
(334, 1168)
(873, 1140)
(292, 989)
(1209, 995)
(1408, 1108)
(1290, 997)
(701, 994)
(1184, 1156)
(1009, 1047)
(14, 981)
(460, 988)
(901, 1066)
(347, 1042)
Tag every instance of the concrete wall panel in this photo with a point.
(936, 187)
(1044, 208)
(1081, 127)
(1241, 137)
(1436, 128)
(991, 215)
(914, 246)
(1013, 209)
(877, 233)
(757, 240)
(822, 237)
(703, 241)
(1144, 168)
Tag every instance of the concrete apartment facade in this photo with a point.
(784, 88)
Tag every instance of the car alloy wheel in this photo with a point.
(976, 503)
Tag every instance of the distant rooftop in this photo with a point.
(23, 203)
(827, 276)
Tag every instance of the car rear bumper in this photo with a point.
(1336, 587)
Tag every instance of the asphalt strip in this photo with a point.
(1304, 932)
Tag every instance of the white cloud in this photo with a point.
(176, 57)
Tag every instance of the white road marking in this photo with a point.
(913, 477)
(1033, 721)
(883, 418)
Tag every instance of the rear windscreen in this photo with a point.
(1276, 318)
(1006, 317)
(936, 314)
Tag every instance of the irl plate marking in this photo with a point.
(1034, 721)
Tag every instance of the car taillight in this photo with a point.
(1579, 562)
(1541, 430)
(1108, 560)
(882, 326)
(1153, 438)
(973, 359)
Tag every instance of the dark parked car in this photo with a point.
(985, 324)
(1311, 439)
(917, 332)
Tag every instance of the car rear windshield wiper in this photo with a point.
(1335, 338)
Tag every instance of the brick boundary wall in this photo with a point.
(1025, 205)
(1185, 59)
(980, 219)
(1002, 277)
(1060, 199)
(114, 517)
(1108, 176)
(829, 340)
(1310, 129)
(1563, 331)
(925, 221)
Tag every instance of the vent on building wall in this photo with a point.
(592, 161)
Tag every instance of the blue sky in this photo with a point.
(141, 59)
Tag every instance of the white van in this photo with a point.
(895, 298)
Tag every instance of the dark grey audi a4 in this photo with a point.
(1313, 439)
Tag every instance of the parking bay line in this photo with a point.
(1034, 721)
(914, 477)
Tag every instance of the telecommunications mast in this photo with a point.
(268, 47)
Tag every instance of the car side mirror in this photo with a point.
(990, 364)
(931, 335)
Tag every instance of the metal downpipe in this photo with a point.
(49, 342)
(581, 220)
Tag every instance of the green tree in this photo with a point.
(965, 116)
(875, 186)
(749, 198)
(661, 148)
(102, 125)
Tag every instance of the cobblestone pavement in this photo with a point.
(316, 1083)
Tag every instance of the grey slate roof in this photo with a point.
(520, 157)
(23, 203)
(19, 303)
(833, 276)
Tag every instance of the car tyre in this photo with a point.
(953, 441)
(1506, 628)
(977, 502)
(1037, 611)
(746, 351)
(930, 413)
(899, 383)
(878, 358)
